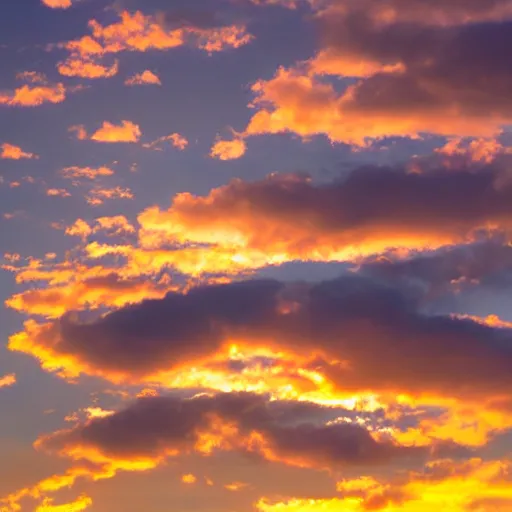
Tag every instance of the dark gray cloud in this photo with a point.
(152, 426)
(454, 55)
(375, 332)
(487, 264)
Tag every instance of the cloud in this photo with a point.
(90, 173)
(139, 32)
(124, 132)
(154, 428)
(79, 228)
(27, 96)
(83, 502)
(470, 485)
(12, 152)
(98, 196)
(57, 4)
(79, 131)
(110, 290)
(146, 77)
(228, 149)
(7, 380)
(116, 225)
(487, 264)
(177, 140)
(86, 67)
(58, 192)
(441, 73)
(426, 355)
(289, 217)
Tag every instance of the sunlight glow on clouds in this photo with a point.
(312, 309)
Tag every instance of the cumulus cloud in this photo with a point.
(126, 131)
(441, 72)
(139, 32)
(432, 355)
(12, 152)
(98, 196)
(154, 428)
(90, 173)
(487, 264)
(87, 67)
(288, 217)
(146, 77)
(228, 149)
(27, 96)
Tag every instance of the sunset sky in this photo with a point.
(256, 255)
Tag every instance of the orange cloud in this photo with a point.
(83, 502)
(228, 149)
(124, 132)
(470, 485)
(7, 380)
(77, 66)
(12, 152)
(27, 96)
(57, 4)
(90, 173)
(177, 140)
(79, 131)
(58, 192)
(90, 292)
(146, 77)
(139, 32)
(99, 195)
(189, 479)
(404, 87)
(79, 228)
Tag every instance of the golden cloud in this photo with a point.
(127, 131)
(57, 4)
(7, 380)
(228, 149)
(177, 140)
(90, 173)
(27, 96)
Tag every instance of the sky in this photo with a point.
(256, 255)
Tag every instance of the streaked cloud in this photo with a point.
(98, 196)
(7, 380)
(176, 139)
(58, 4)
